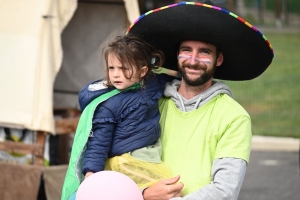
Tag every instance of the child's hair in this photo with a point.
(132, 51)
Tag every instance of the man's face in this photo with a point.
(197, 62)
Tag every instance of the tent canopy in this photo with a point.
(52, 45)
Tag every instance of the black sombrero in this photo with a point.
(247, 52)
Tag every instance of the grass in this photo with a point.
(292, 5)
(273, 99)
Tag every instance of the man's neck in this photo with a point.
(188, 91)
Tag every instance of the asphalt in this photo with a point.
(266, 143)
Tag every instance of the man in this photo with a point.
(206, 135)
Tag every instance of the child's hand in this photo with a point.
(88, 174)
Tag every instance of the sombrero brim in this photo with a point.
(247, 52)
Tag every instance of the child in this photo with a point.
(125, 128)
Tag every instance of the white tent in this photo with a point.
(52, 45)
(49, 49)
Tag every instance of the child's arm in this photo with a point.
(88, 174)
(169, 72)
(99, 141)
(173, 73)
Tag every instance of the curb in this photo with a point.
(264, 143)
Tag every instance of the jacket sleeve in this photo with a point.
(164, 78)
(99, 141)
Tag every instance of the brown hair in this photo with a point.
(133, 51)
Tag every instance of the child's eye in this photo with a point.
(110, 68)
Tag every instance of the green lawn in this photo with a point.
(273, 99)
(292, 5)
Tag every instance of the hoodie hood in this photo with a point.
(187, 105)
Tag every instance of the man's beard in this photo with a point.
(203, 78)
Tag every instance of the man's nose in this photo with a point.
(194, 59)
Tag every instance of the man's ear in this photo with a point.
(220, 59)
(144, 71)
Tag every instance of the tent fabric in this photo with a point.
(133, 6)
(53, 180)
(31, 55)
(91, 26)
(30, 58)
(18, 181)
(22, 182)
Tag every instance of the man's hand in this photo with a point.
(164, 189)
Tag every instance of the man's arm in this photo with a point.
(228, 175)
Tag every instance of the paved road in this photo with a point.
(272, 176)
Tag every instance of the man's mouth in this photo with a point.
(193, 69)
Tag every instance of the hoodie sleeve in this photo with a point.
(228, 175)
(99, 141)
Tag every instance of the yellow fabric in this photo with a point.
(143, 173)
(192, 140)
(30, 57)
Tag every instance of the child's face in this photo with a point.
(116, 73)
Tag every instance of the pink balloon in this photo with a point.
(108, 185)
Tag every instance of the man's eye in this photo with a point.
(185, 50)
(206, 52)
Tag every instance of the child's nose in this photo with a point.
(116, 73)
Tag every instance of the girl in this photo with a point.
(125, 128)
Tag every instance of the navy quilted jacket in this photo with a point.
(125, 122)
